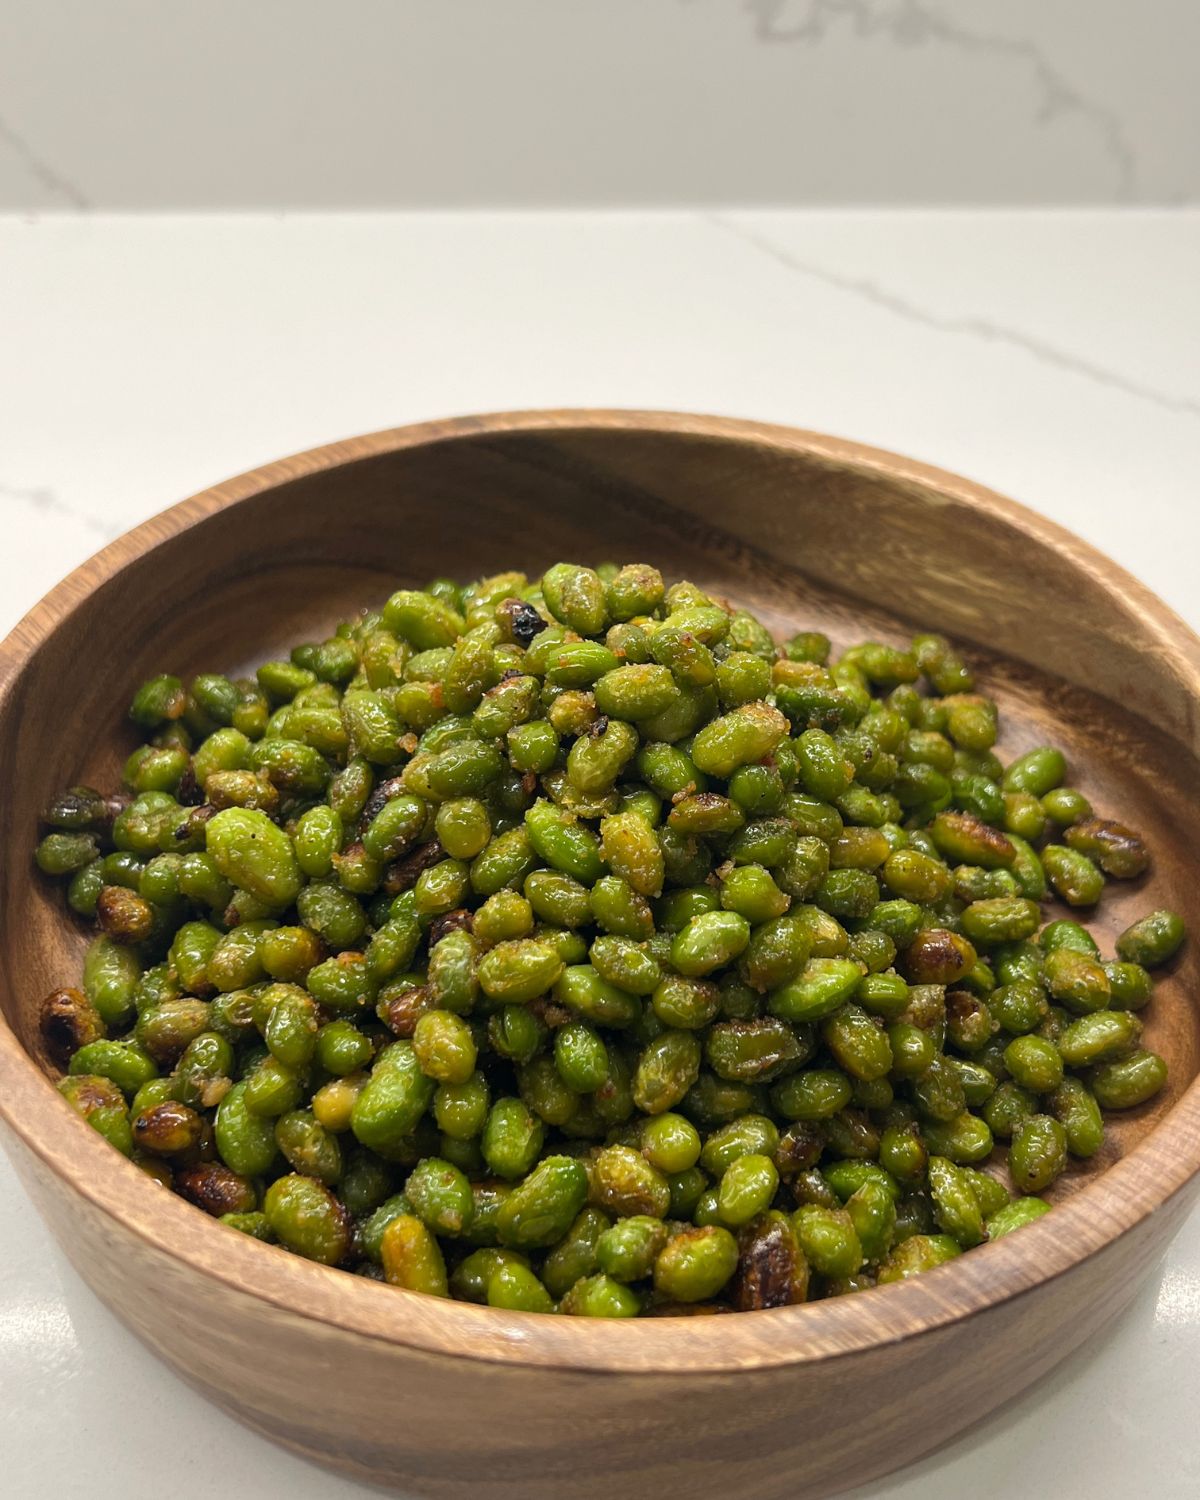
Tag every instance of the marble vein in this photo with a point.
(970, 327)
(914, 23)
(44, 501)
(54, 182)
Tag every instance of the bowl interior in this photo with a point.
(807, 533)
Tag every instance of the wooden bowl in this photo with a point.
(448, 1399)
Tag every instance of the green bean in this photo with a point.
(580, 1057)
(563, 842)
(1034, 1063)
(670, 1143)
(512, 1138)
(1066, 805)
(306, 1217)
(581, 989)
(916, 1255)
(687, 1003)
(829, 1240)
(1039, 1153)
(709, 941)
(1072, 875)
(965, 1140)
(872, 1211)
(822, 987)
(1101, 1036)
(514, 972)
(394, 1099)
(1076, 1109)
(695, 1264)
(440, 1196)
(1152, 940)
(939, 956)
(68, 1021)
(309, 1147)
(546, 1092)
(601, 1297)
(627, 965)
(632, 852)
(966, 839)
(746, 1189)
(754, 1050)
(1001, 919)
(1015, 1215)
(576, 596)
(956, 1207)
(1077, 981)
(517, 1288)
(1130, 984)
(902, 1152)
(858, 1044)
(1037, 771)
(110, 975)
(978, 1082)
(412, 1258)
(627, 1251)
(542, 1207)
(1130, 1081)
(667, 1068)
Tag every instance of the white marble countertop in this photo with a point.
(1053, 357)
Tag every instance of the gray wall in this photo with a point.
(195, 104)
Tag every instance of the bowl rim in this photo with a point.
(1143, 1182)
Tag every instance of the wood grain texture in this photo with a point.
(441, 1398)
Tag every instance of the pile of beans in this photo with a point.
(569, 945)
